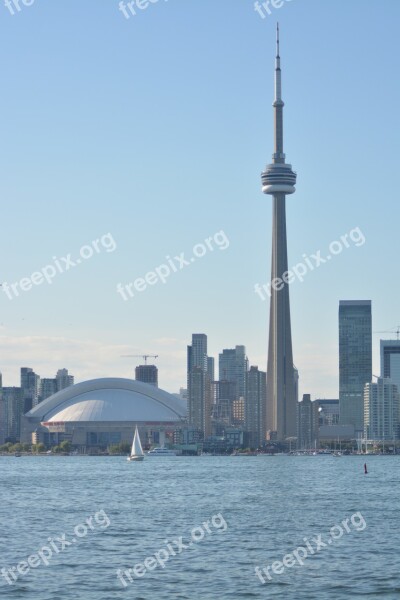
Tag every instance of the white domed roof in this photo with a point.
(111, 399)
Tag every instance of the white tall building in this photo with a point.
(64, 380)
(381, 410)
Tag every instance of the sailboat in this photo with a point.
(137, 450)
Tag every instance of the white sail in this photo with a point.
(137, 449)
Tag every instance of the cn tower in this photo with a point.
(278, 180)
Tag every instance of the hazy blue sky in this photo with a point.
(155, 129)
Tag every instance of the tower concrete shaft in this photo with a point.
(279, 179)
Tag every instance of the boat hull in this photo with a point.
(135, 458)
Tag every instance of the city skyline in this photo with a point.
(169, 298)
(79, 319)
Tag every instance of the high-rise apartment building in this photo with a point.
(30, 385)
(255, 400)
(64, 380)
(307, 423)
(198, 351)
(13, 409)
(199, 384)
(48, 387)
(355, 360)
(381, 410)
(233, 367)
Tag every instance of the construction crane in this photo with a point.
(396, 331)
(145, 356)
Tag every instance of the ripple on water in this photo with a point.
(270, 504)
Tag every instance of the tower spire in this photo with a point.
(278, 180)
(278, 156)
(277, 40)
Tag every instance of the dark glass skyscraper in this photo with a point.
(390, 360)
(355, 359)
(30, 385)
(147, 374)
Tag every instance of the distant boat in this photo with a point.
(137, 450)
(248, 453)
(161, 452)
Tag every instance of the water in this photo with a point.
(268, 505)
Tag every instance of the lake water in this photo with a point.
(233, 513)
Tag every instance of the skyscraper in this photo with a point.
(233, 367)
(64, 380)
(199, 384)
(30, 385)
(381, 410)
(390, 360)
(355, 360)
(48, 387)
(211, 367)
(198, 351)
(13, 409)
(256, 390)
(279, 179)
(307, 423)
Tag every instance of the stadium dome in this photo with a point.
(110, 400)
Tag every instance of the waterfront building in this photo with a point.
(64, 379)
(199, 384)
(307, 423)
(355, 360)
(95, 414)
(381, 410)
(30, 385)
(255, 401)
(48, 387)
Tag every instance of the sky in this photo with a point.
(132, 143)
